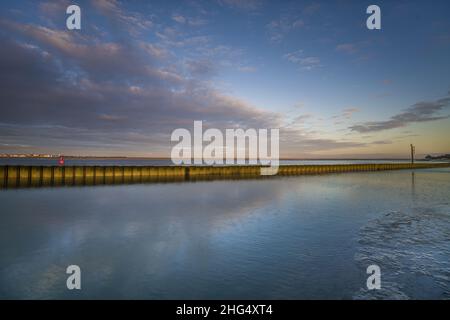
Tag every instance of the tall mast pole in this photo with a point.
(413, 151)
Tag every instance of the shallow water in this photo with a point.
(284, 237)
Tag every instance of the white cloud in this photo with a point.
(305, 62)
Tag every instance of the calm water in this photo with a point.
(292, 237)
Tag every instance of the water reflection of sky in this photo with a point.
(293, 237)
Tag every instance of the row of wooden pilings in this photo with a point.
(34, 176)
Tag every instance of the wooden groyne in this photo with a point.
(35, 176)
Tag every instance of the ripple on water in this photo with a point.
(413, 251)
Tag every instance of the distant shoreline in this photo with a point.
(166, 158)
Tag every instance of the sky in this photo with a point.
(138, 70)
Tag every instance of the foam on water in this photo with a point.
(413, 251)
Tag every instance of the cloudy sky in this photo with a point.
(137, 70)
